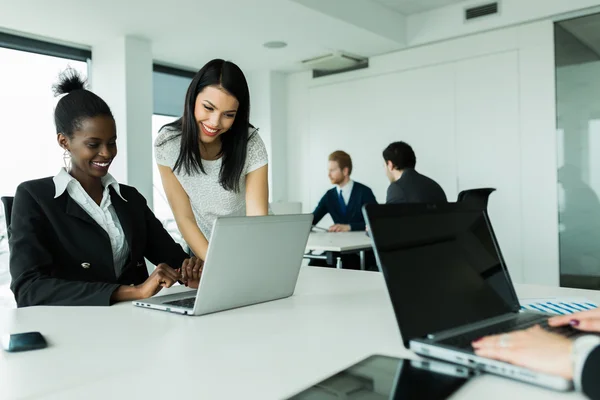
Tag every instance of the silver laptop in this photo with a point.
(449, 284)
(249, 260)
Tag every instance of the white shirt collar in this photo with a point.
(63, 179)
(347, 188)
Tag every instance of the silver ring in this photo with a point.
(504, 340)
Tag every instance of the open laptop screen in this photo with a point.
(441, 266)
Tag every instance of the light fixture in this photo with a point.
(275, 45)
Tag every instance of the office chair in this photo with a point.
(478, 197)
(8, 203)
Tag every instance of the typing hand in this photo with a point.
(162, 276)
(532, 348)
(588, 321)
(339, 228)
(191, 270)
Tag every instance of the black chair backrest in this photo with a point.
(8, 203)
(478, 197)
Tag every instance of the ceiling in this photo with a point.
(586, 30)
(188, 33)
(408, 7)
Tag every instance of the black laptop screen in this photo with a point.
(441, 266)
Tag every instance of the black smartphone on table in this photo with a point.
(382, 377)
(23, 342)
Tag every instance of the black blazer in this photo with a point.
(413, 187)
(589, 376)
(329, 204)
(60, 256)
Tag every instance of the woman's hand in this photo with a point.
(533, 348)
(163, 276)
(588, 321)
(191, 270)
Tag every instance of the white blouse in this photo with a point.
(209, 200)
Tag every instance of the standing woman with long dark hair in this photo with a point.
(212, 161)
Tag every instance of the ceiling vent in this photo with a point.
(481, 11)
(334, 62)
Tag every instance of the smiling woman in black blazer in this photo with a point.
(80, 238)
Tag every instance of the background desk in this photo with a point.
(342, 242)
(266, 351)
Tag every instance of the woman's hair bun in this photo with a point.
(68, 81)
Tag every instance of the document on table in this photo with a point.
(558, 305)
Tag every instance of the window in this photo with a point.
(578, 145)
(29, 149)
(170, 86)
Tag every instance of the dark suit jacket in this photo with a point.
(589, 377)
(413, 187)
(329, 204)
(60, 256)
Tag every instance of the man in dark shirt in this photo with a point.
(407, 185)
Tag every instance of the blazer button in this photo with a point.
(85, 265)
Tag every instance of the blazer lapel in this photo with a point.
(73, 209)
(124, 216)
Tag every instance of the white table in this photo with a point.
(266, 351)
(342, 242)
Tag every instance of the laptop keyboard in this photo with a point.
(184, 303)
(464, 341)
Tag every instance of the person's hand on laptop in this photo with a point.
(191, 270)
(339, 228)
(532, 348)
(163, 276)
(588, 321)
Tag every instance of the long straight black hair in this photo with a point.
(234, 142)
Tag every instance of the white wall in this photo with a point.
(279, 160)
(448, 22)
(122, 76)
(267, 112)
(479, 111)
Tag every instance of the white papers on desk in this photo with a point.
(558, 305)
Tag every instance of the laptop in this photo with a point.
(249, 260)
(449, 284)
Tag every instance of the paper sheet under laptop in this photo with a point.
(558, 305)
